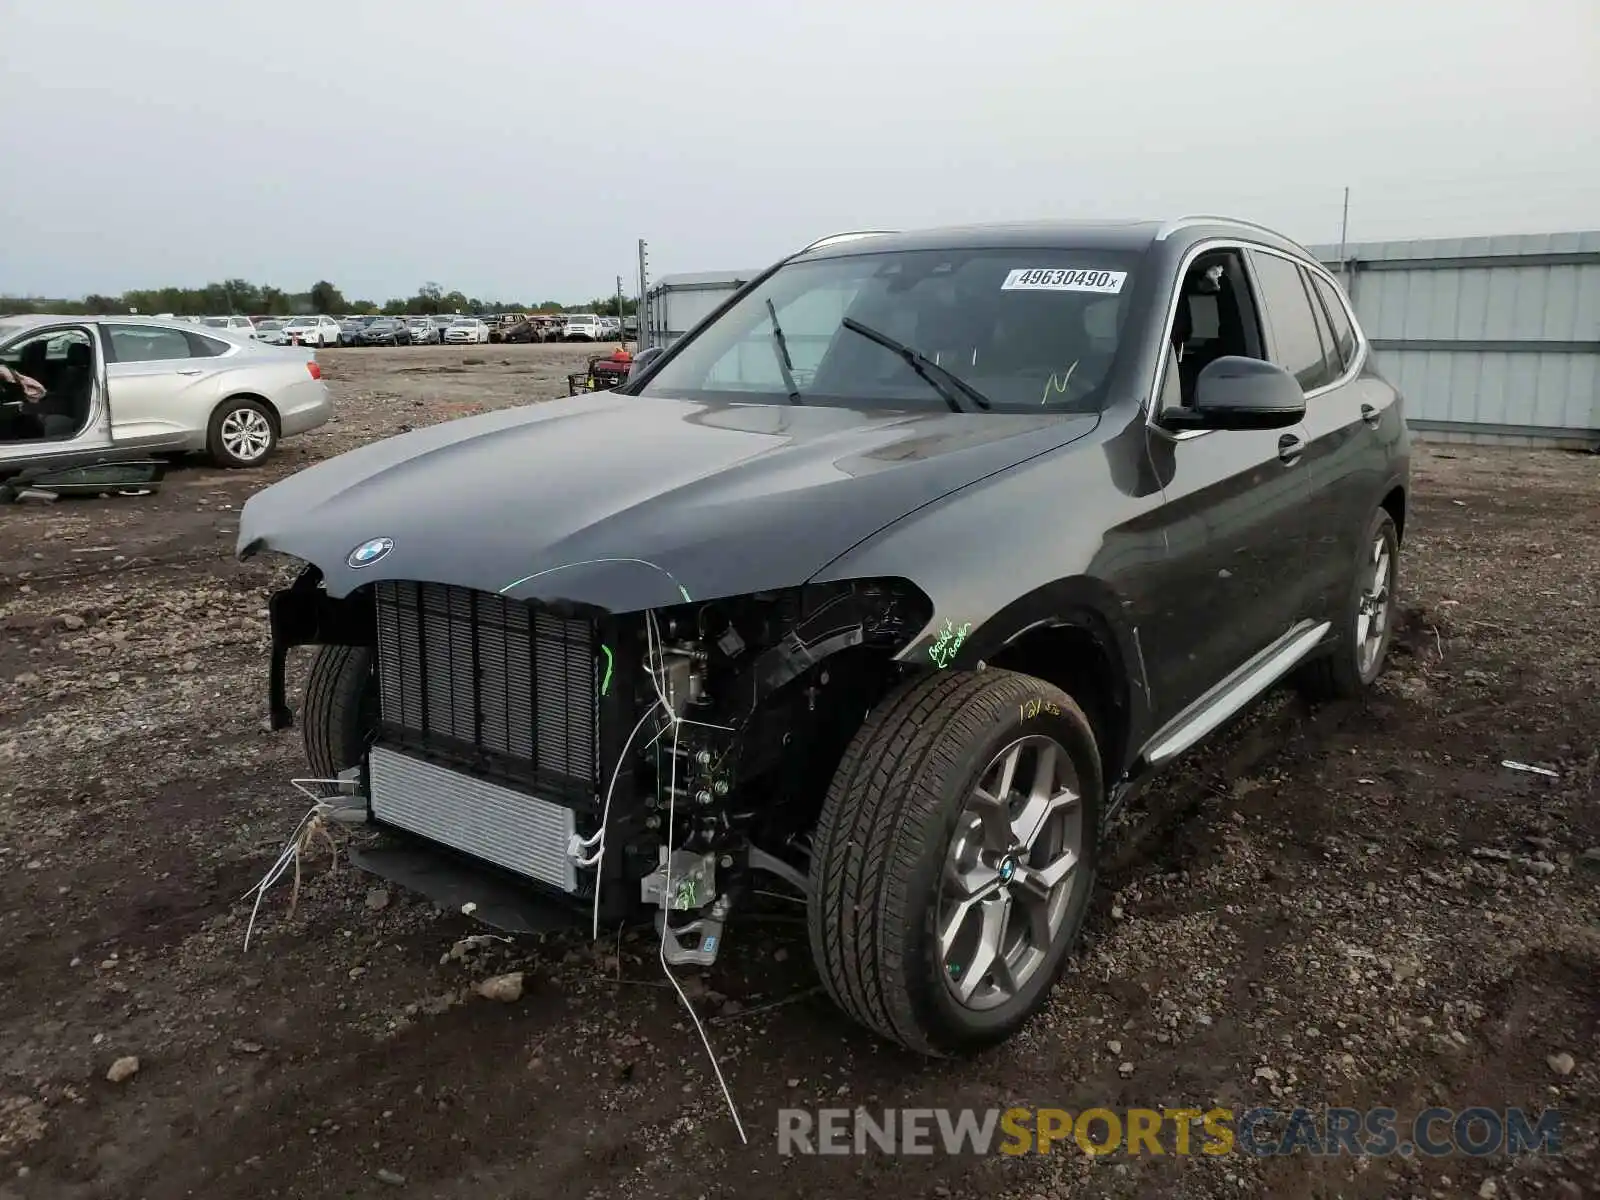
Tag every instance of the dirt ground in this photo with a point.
(1353, 905)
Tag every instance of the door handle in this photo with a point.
(1371, 415)
(1290, 448)
(194, 371)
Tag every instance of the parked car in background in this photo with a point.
(386, 331)
(239, 326)
(115, 384)
(582, 327)
(350, 331)
(270, 331)
(611, 329)
(424, 331)
(521, 331)
(630, 328)
(312, 331)
(467, 330)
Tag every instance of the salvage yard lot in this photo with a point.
(1354, 905)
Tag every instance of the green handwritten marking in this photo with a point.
(686, 893)
(605, 684)
(943, 650)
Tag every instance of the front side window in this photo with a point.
(1298, 348)
(1026, 329)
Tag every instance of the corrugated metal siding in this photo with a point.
(1522, 295)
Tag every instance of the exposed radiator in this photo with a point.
(488, 672)
(521, 833)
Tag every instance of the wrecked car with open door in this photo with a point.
(90, 391)
(886, 585)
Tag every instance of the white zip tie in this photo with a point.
(288, 859)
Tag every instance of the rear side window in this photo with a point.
(1344, 330)
(148, 343)
(201, 346)
(1333, 367)
(1297, 347)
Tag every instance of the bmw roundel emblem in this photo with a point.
(368, 553)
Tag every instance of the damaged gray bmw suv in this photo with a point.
(891, 582)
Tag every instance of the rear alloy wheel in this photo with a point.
(1366, 625)
(954, 859)
(242, 433)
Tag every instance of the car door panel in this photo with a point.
(158, 401)
(1234, 512)
(1230, 523)
(88, 442)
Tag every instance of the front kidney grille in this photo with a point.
(494, 674)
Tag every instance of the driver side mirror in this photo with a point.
(642, 361)
(1241, 393)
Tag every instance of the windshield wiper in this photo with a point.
(948, 384)
(780, 347)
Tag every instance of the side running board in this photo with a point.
(1231, 695)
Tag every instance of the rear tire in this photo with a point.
(341, 709)
(903, 853)
(242, 433)
(1366, 622)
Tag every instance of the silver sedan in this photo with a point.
(145, 385)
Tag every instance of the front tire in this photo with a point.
(1366, 622)
(341, 709)
(954, 859)
(242, 433)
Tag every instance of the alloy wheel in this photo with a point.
(1009, 873)
(1374, 606)
(246, 434)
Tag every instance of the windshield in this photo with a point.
(269, 325)
(216, 322)
(465, 321)
(1027, 329)
(583, 319)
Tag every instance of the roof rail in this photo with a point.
(851, 236)
(1168, 228)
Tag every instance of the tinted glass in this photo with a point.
(1298, 348)
(1332, 367)
(1031, 330)
(148, 343)
(1344, 331)
(201, 346)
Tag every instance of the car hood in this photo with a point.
(631, 502)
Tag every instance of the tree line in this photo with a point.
(240, 296)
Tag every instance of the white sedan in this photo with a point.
(238, 326)
(112, 385)
(312, 331)
(468, 330)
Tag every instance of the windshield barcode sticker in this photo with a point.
(1047, 279)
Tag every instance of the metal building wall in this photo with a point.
(1491, 339)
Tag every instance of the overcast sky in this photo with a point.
(518, 150)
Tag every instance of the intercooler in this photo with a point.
(484, 703)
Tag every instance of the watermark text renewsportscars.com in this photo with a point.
(1262, 1132)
